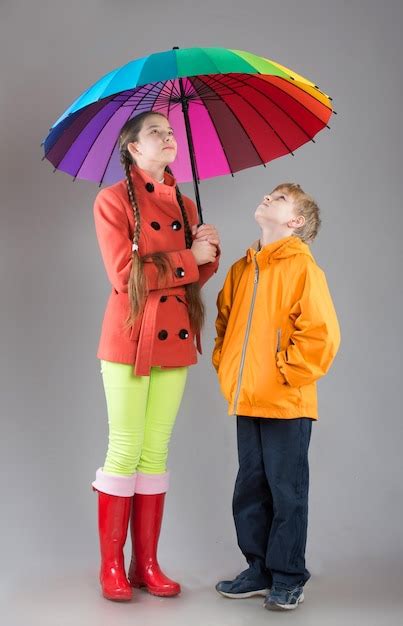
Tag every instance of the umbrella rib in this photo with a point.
(295, 83)
(215, 128)
(165, 91)
(170, 98)
(232, 80)
(248, 84)
(146, 95)
(247, 134)
(295, 100)
(109, 160)
(100, 131)
(112, 151)
(267, 122)
(175, 90)
(281, 109)
(73, 139)
(291, 82)
(148, 98)
(168, 94)
(205, 89)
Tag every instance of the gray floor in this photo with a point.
(364, 597)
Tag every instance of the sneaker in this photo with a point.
(247, 584)
(282, 598)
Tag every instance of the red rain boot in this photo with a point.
(145, 525)
(113, 521)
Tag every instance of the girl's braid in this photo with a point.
(132, 197)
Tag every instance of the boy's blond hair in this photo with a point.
(306, 206)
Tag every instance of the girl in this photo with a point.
(156, 258)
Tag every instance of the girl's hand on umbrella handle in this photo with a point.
(203, 251)
(206, 232)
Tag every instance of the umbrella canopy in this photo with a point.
(230, 110)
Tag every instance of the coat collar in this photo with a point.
(143, 180)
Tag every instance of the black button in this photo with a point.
(163, 298)
(183, 333)
(162, 335)
(150, 187)
(155, 225)
(176, 225)
(180, 272)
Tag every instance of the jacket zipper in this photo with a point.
(278, 340)
(245, 342)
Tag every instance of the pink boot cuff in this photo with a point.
(151, 484)
(114, 484)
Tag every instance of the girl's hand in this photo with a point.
(206, 232)
(204, 251)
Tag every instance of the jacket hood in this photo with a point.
(280, 249)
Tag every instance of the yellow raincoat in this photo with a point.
(277, 332)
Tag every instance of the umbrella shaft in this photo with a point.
(185, 109)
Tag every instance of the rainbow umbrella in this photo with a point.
(230, 110)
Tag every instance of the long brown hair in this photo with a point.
(137, 286)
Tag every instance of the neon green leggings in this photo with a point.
(141, 415)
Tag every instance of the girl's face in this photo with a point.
(277, 209)
(156, 144)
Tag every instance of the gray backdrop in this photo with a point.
(54, 289)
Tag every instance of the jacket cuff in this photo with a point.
(215, 359)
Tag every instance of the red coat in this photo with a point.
(161, 335)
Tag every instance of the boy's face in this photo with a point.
(277, 209)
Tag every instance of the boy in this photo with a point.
(277, 334)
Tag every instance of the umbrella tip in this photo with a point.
(175, 47)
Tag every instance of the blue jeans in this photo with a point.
(270, 503)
